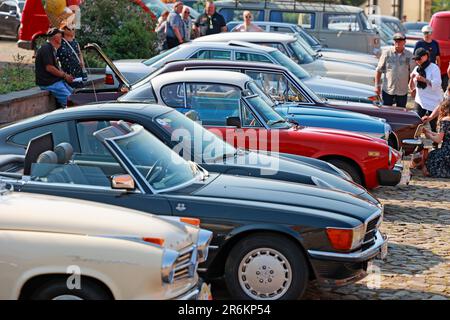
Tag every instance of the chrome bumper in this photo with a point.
(360, 256)
(190, 295)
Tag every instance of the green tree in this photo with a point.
(440, 5)
(121, 28)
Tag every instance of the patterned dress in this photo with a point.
(69, 61)
(438, 162)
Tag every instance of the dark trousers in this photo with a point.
(390, 100)
(172, 42)
(424, 112)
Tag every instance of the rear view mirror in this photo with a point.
(234, 122)
(122, 181)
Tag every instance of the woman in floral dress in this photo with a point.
(437, 164)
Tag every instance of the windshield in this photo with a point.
(311, 40)
(160, 166)
(365, 21)
(143, 93)
(194, 139)
(306, 46)
(285, 61)
(300, 54)
(265, 110)
(256, 90)
(160, 56)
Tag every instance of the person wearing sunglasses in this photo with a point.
(247, 26)
(185, 16)
(71, 58)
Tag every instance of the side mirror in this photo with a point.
(234, 122)
(122, 181)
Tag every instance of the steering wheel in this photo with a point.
(156, 170)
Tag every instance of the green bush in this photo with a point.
(121, 28)
(16, 76)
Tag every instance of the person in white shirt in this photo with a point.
(247, 26)
(426, 82)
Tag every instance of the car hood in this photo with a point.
(333, 134)
(330, 86)
(341, 70)
(293, 195)
(330, 112)
(40, 213)
(133, 69)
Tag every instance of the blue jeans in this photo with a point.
(60, 90)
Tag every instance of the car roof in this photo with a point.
(289, 5)
(181, 64)
(269, 23)
(248, 37)
(225, 45)
(201, 76)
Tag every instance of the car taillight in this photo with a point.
(192, 221)
(374, 98)
(109, 79)
(157, 241)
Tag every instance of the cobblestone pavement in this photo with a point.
(417, 222)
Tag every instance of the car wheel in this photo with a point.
(348, 168)
(58, 290)
(266, 267)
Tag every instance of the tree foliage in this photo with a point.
(121, 28)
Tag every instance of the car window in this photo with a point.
(281, 29)
(231, 14)
(173, 95)
(213, 103)
(143, 93)
(277, 86)
(212, 55)
(59, 130)
(160, 56)
(304, 19)
(244, 56)
(287, 62)
(275, 45)
(90, 145)
(248, 119)
(341, 22)
(7, 7)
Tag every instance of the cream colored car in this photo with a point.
(58, 248)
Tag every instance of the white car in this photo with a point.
(308, 59)
(64, 249)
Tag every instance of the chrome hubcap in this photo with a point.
(265, 274)
(67, 297)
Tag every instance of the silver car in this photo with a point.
(308, 59)
(140, 70)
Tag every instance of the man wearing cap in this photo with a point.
(432, 46)
(426, 81)
(175, 26)
(396, 64)
(49, 75)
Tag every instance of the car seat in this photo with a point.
(35, 147)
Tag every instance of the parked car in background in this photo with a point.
(414, 28)
(139, 71)
(10, 15)
(300, 243)
(47, 239)
(440, 23)
(297, 102)
(336, 26)
(310, 42)
(232, 103)
(387, 26)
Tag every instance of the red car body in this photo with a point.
(369, 155)
(440, 22)
(35, 23)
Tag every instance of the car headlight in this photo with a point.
(346, 238)
(204, 239)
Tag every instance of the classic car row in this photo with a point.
(306, 222)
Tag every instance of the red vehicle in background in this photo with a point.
(440, 22)
(35, 22)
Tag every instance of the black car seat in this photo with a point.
(64, 152)
(46, 162)
(36, 146)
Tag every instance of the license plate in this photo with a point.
(205, 292)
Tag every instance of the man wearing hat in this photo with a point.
(49, 75)
(426, 81)
(432, 46)
(396, 64)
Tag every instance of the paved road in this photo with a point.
(417, 222)
(9, 49)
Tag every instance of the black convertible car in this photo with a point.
(270, 237)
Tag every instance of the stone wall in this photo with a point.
(24, 104)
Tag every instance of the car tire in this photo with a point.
(57, 290)
(347, 168)
(270, 263)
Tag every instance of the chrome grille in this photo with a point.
(371, 230)
(186, 264)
